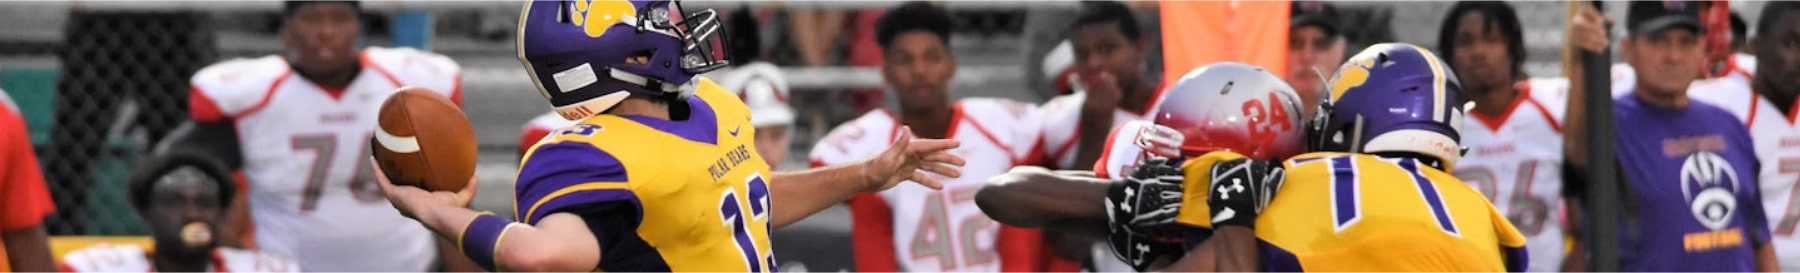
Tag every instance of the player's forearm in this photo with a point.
(1198, 259)
(1094, 126)
(798, 194)
(1035, 197)
(236, 230)
(28, 250)
(1236, 249)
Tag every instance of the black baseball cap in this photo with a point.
(1314, 13)
(1646, 17)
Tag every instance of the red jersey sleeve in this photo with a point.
(872, 234)
(22, 189)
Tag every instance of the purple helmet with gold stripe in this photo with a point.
(587, 55)
(1392, 98)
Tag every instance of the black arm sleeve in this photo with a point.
(217, 139)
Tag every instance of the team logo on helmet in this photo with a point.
(595, 16)
(1351, 75)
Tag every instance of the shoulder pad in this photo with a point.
(239, 84)
(417, 68)
(738, 77)
(1011, 121)
(108, 258)
(239, 260)
(864, 136)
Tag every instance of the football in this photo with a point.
(422, 139)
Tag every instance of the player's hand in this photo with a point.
(412, 201)
(1240, 189)
(1587, 30)
(1102, 91)
(919, 160)
(1140, 209)
(1149, 197)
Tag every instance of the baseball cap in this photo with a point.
(1645, 17)
(1314, 13)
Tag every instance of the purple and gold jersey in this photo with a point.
(1694, 202)
(660, 195)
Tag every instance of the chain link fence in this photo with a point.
(121, 87)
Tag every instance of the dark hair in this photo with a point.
(913, 16)
(1099, 12)
(143, 179)
(1772, 13)
(1496, 13)
(1739, 31)
(290, 7)
(743, 44)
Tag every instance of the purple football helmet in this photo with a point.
(587, 55)
(1392, 97)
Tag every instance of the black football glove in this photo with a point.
(1240, 189)
(1140, 211)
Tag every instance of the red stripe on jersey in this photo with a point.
(872, 234)
(202, 108)
(958, 116)
(1106, 154)
(364, 57)
(1755, 100)
(1058, 153)
(269, 94)
(1554, 125)
(1020, 249)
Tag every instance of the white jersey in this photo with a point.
(312, 194)
(920, 229)
(1516, 160)
(1740, 68)
(1061, 142)
(131, 258)
(1060, 145)
(1777, 139)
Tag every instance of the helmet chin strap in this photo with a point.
(641, 80)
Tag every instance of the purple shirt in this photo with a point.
(1691, 175)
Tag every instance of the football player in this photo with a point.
(658, 174)
(1514, 132)
(912, 228)
(24, 245)
(1111, 89)
(1690, 166)
(1219, 107)
(297, 124)
(760, 84)
(182, 197)
(1765, 104)
(1374, 195)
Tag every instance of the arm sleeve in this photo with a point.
(22, 189)
(569, 176)
(872, 234)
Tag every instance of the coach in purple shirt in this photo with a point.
(1692, 200)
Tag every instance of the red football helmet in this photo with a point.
(1233, 107)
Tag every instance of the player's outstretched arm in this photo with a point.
(1030, 196)
(802, 193)
(561, 242)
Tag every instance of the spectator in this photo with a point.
(182, 198)
(1689, 168)
(890, 232)
(1315, 48)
